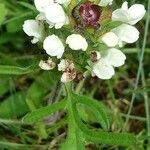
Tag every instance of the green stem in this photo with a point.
(111, 92)
(79, 86)
(81, 83)
(134, 117)
(134, 50)
(147, 104)
(68, 87)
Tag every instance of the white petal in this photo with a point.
(58, 25)
(53, 46)
(115, 57)
(103, 70)
(40, 17)
(105, 2)
(41, 4)
(110, 39)
(131, 16)
(35, 40)
(126, 33)
(125, 5)
(55, 14)
(77, 42)
(120, 15)
(63, 65)
(137, 12)
(33, 28)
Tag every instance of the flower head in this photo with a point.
(90, 14)
(110, 39)
(68, 76)
(129, 15)
(126, 34)
(104, 68)
(41, 4)
(68, 69)
(90, 31)
(77, 42)
(53, 46)
(33, 28)
(55, 15)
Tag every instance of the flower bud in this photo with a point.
(90, 14)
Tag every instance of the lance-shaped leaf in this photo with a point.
(38, 114)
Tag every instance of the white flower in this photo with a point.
(40, 17)
(55, 15)
(47, 65)
(68, 69)
(126, 33)
(129, 15)
(65, 65)
(77, 42)
(33, 28)
(104, 68)
(41, 4)
(53, 46)
(110, 39)
(68, 76)
(105, 2)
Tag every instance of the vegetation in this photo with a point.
(38, 112)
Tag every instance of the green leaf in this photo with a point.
(3, 13)
(93, 135)
(73, 141)
(4, 85)
(14, 106)
(102, 137)
(27, 5)
(97, 108)
(109, 138)
(38, 114)
(20, 16)
(14, 70)
(11, 26)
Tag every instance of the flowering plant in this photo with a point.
(80, 38)
(83, 36)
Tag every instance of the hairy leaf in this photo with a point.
(43, 112)
(14, 70)
(97, 108)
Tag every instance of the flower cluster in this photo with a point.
(84, 36)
